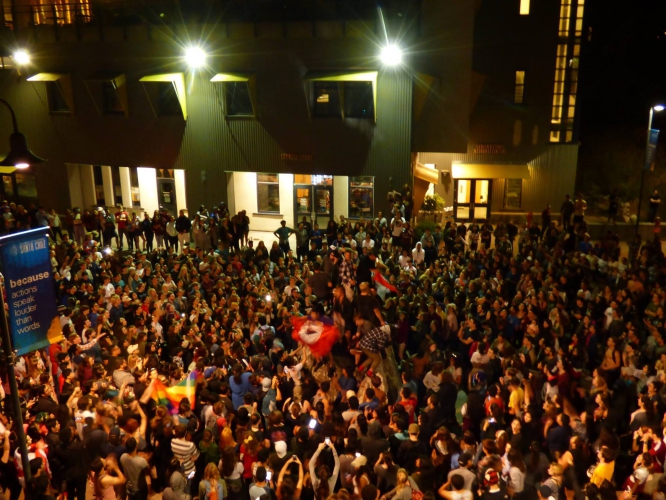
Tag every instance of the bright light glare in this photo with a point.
(658, 108)
(21, 57)
(195, 57)
(21, 165)
(391, 55)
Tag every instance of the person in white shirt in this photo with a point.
(368, 242)
(418, 254)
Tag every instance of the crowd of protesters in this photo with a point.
(532, 362)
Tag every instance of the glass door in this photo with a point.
(313, 202)
(472, 199)
(302, 203)
(323, 204)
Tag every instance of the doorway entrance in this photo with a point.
(313, 198)
(472, 200)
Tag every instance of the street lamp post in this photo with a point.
(657, 108)
(19, 156)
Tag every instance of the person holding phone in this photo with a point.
(323, 481)
(261, 485)
(287, 490)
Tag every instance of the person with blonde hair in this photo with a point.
(227, 439)
(404, 487)
(212, 486)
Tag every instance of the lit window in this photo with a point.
(524, 7)
(353, 99)
(239, 102)
(327, 100)
(361, 197)
(519, 91)
(268, 193)
(513, 194)
(134, 183)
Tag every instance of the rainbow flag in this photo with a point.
(172, 396)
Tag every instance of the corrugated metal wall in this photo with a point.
(553, 175)
(215, 144)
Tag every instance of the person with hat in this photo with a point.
(491, 487)
(411, 449)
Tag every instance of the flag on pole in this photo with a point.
(319, 335)
(382, 284)
(172, 396)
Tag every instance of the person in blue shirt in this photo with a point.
(316, 236)
(239, 383)
(346, 381)
(283, 233)
(371, 401)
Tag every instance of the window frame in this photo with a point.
(344, 103)
(519, 87)
(53, 90)
(507, 206)
(227, 107)
(349, 197)
(340, 97)
(268, 183)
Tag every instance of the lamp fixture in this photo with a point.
(391, 55)
(195, 57)
(21, 57)
(19, 155)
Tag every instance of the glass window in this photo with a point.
(26, 186)
(361, 197)
(167, 99)
(99, 185)
(519, 90)
(134, 183)
(359, 102)
(513, 194)
(117, 190)
(326, 100)
(268, 193)
(57, 102)
(524, 7)
(8, 186)
(239, 102)
(313, 180)
(112, 104)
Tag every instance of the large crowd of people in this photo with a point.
(531, 362)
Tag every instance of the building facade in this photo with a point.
(522, 149)
(293, 114)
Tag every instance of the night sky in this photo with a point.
(624, 65)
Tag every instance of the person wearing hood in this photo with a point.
(176, 490)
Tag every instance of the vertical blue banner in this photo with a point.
(651, 152)
(33, 314)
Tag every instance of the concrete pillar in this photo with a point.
(107, 182)
(126, 186)
(181, 193)
(340, 196)
(148, 189)
(75, 191)
(87, 186)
